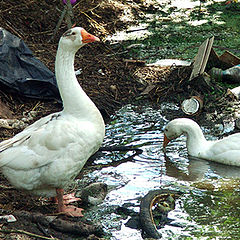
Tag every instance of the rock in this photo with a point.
(94, 193)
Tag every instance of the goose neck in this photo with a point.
(195, 139)
(75, 100)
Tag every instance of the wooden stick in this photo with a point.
(59, 23)
(26, 233)
(79, 227)
(69, 14)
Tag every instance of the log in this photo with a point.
(79, 228)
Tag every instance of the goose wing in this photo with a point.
(21, 145)
(226, 150)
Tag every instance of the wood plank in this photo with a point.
(207, 54)
(201, 58)
(229, 58)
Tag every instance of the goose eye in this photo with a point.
(67, 33)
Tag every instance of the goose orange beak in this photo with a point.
(88, 38)
(165, 141)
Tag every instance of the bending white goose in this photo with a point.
(44, 157)
(226, 150)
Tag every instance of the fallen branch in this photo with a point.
(80, 228)
(114, 149)
(8, 231)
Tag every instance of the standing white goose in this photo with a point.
(226, 150)
(47, 155)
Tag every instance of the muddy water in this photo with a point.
(210, 205)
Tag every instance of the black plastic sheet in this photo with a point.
(21, 72)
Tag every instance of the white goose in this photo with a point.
(226, 150)
(44, 157)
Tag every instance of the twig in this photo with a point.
(88, 10)
(117, 149)
(117, 53)
(36, 106)
(137, 30)
(26, 233)
(97, 25)
(13, 29)
(69, 14)
(16, 7)
(41, 33)
(59, 23)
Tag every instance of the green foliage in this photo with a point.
(180, 34)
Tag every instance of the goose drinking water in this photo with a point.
(226, 150)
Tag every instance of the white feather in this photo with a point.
(226, 150)
(50, 153)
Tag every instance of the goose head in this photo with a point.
(172, 131)
(182, 126)
(75, 38)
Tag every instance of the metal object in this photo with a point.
(192, 106)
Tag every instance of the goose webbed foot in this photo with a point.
(69, 210)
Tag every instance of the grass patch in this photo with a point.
(180, 34)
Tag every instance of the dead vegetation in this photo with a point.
(107, 78)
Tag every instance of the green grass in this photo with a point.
(180, 38)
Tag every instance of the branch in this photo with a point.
(26, 233)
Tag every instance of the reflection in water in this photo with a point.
(195, 170)
(198, 169)
(128, 181)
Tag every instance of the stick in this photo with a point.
(78, 228)
(59, 23)
(69, 14)
(26, 233)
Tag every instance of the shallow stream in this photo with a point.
(210, 205)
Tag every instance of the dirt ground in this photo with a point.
(107, 78)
